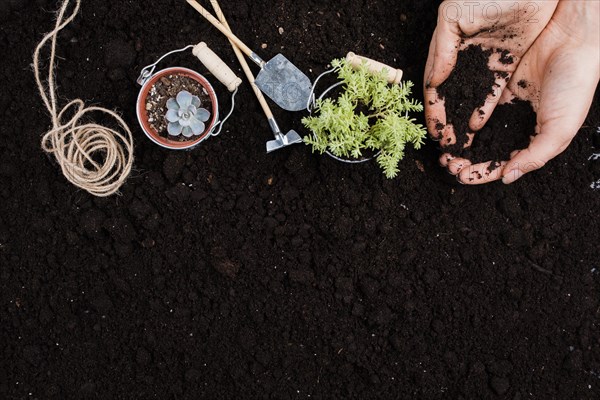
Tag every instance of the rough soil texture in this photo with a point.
(466, 90)
(509, 128)
(227, 273)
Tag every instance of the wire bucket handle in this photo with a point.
(214, 64)
(392, 75)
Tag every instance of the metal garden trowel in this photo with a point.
(279, 79)
(281, 140)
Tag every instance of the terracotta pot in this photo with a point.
(142, 113)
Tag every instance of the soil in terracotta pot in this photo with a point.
(226, 273)
(167, 88)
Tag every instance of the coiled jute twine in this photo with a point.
(76, 143)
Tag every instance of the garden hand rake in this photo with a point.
(281, 140)
(279, 79)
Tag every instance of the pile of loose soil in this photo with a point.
(226, 273)
(508, 129)
(467, 89)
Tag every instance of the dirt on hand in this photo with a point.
(468, 87)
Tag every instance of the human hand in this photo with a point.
(562, 70)
(511, 26)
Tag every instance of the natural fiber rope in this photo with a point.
(74, 142)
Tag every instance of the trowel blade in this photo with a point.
(285, 84)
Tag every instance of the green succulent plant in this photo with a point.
(341, 127)
(185, 116)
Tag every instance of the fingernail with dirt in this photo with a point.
(448, 160)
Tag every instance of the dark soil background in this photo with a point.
(226, 273)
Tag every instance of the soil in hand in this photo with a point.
(509, 128)
(167, 88)
(467, 89)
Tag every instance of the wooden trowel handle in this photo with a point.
(217, 67)
(238, 53)
(210, 18)
(375, 67)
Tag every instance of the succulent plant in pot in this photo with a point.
(369, 114)
(177, 108)
(185, 115)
